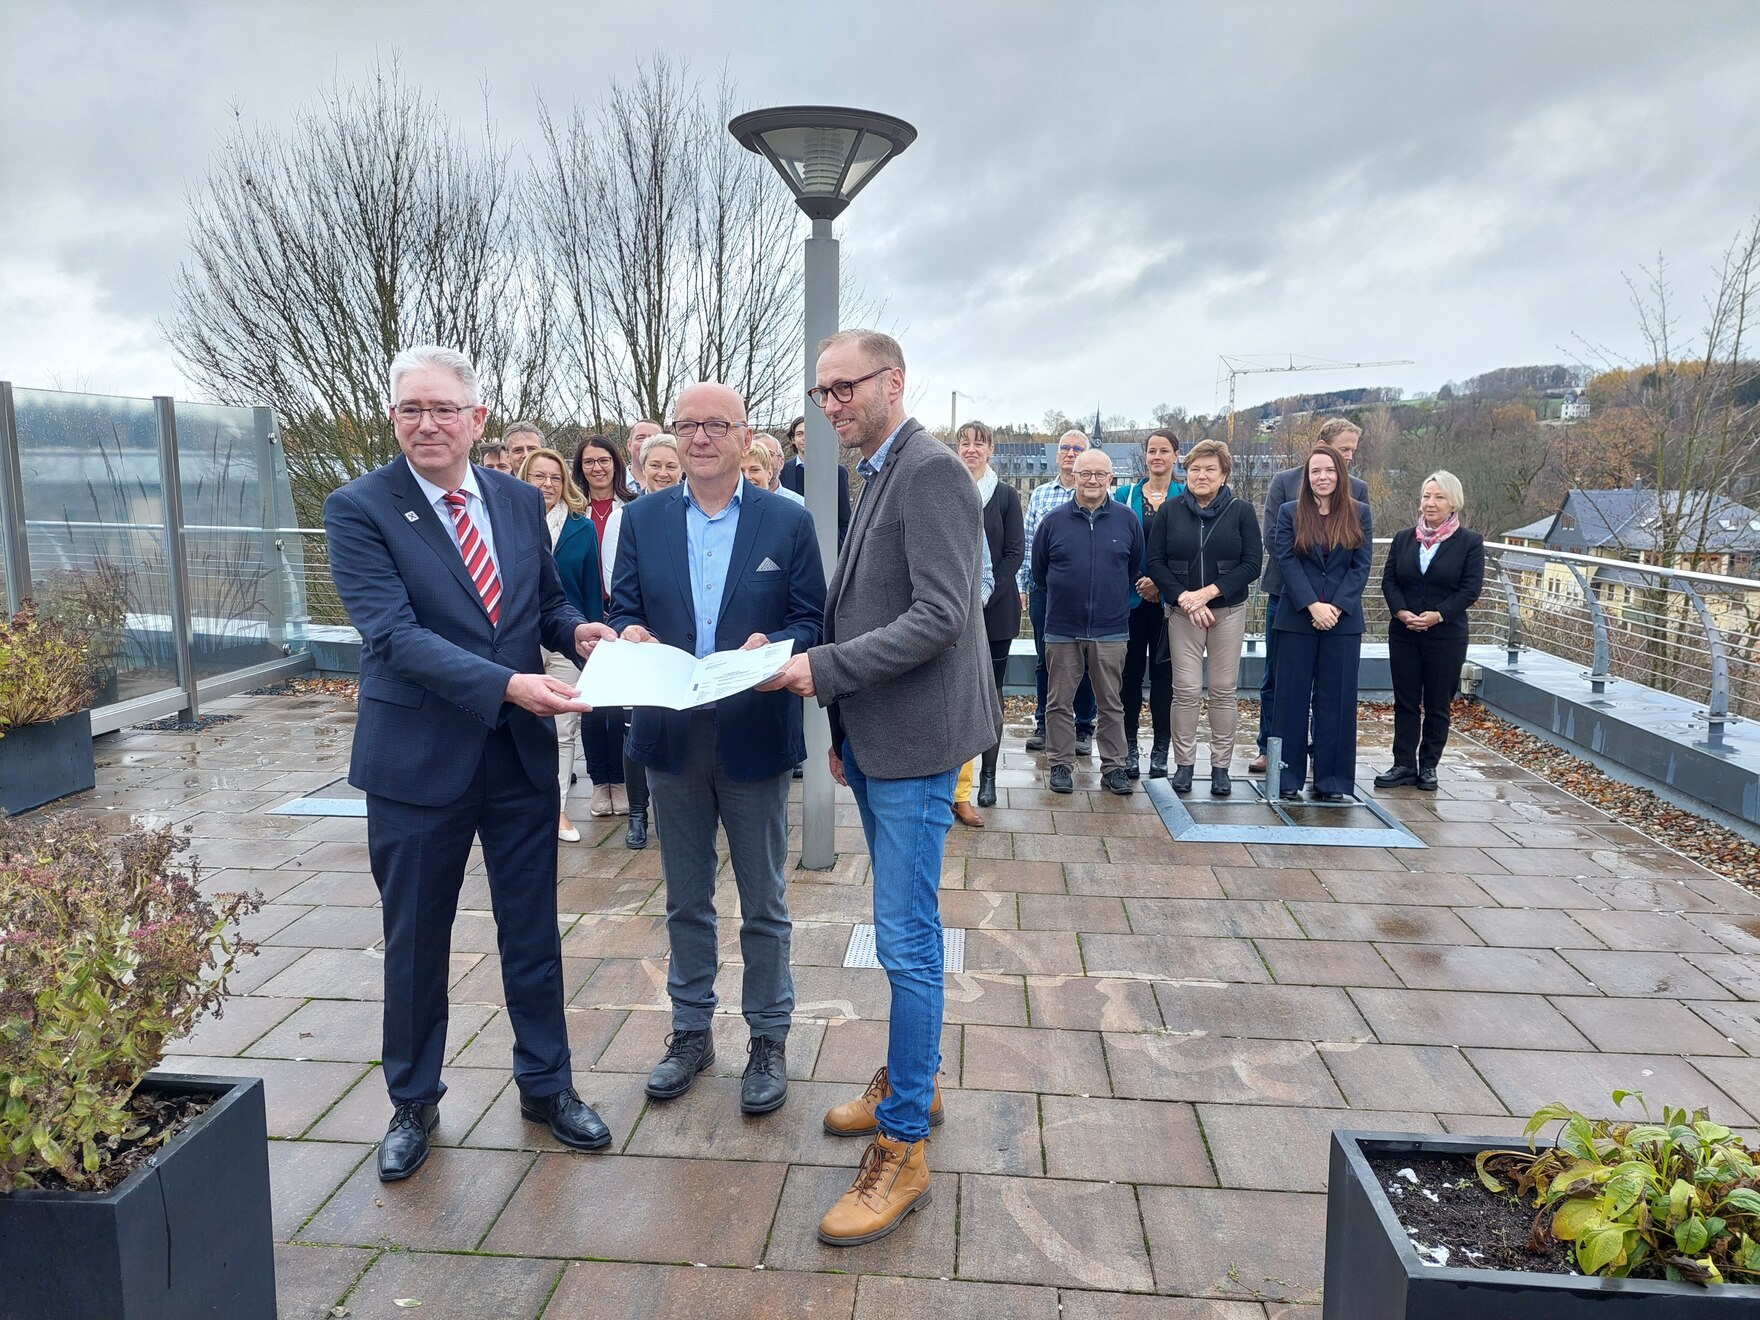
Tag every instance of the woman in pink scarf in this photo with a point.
(1434, 573)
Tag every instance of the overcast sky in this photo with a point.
(1103, 196)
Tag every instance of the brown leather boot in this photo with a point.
(892, 1181)
(855, 1118)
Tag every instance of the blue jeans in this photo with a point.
(905, 822)
(1087, 710)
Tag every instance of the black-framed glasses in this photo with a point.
(444, 414)
(841, 390)
(715, 429)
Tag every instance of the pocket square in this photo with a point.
(769, 566)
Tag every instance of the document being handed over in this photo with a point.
(652, 674)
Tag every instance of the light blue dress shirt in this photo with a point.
(1425, 554)
(869, 468)
(709, 547)
(475, 510)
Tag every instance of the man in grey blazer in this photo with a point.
(1343, 435)
(905, 670)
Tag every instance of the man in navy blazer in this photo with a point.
(715, 564)
(445, 570)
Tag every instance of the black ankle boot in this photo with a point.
(987, 788)
(636, 837)
(1182, 779)
(1158, 761)
(1133, 765)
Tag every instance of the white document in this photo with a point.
(652, 674)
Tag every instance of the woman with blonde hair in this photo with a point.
(576, 551)
(1435, 571)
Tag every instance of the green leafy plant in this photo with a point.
(43, 670)
(1679, 1199)
(108, 949)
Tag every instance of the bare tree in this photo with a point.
(318, 253)
(669, 250)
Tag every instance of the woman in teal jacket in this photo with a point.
(1146, 651)
(575, 548)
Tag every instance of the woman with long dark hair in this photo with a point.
(599, 471)
(1146, 650)
(1322, 543)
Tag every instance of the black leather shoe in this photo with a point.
(1062, 779)
(635, 838)
(405, 1146)
(687, 1054)
(1133, 765)
(986, 788)
(1084, 744)
(765, 1084)
(800, 771)
(1221, 782)
(1036, 743)
(1293, 795)
(1426, 781)
(1182, 779)
(1332, 797)
(1158, 761)
(1117, 782)
(1400, 776)
(571, 1119)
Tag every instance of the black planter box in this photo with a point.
(42, 762)
(189, 1237)
(1373, 1272)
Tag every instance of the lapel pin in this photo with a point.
(410, 515)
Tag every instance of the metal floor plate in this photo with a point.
(1184, 829)
(861, 952)
(317, 806)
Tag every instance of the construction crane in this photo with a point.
(1245, 366)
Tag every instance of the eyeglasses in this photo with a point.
(841, 390)
(445, 414)
(595, 462)
(543, 479)
(1093, 476)
(1072, 449)
(715, 429)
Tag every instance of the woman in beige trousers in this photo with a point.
(1205, 550)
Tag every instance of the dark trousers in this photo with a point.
(1426, 672)
(1317, 681)
(1146, 653)
(418, 856)
(1085, 707)
(602, 740)
(635, 778)
(1268, 683)
(999, 648)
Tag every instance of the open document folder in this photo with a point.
(653, 674)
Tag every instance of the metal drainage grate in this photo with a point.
(1275, 825)
(861, 952)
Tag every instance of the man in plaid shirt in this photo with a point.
(1045, 498)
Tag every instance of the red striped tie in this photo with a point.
(476, 556)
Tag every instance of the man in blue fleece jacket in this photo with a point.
(1086, 555)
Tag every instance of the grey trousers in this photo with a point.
(688, 807)
(1188, 645)
(1104, 664)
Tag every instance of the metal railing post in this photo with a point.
(1513, 640)
(1717, 709)
(1599, 675)
(176, 553)
(273, 571)
(13, 538)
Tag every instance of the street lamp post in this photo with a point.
(826, 155)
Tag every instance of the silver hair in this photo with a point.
(1452, 490)
(444, 359)
(659, 440)
(1080, 435)
(523, 428)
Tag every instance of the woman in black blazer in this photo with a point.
(1005, 532)
(1434, 573)
(1321, 541)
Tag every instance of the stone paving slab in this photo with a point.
(1141, 1064)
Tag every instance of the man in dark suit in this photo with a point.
(905, 670)
(794, 477)
(1343, 435)
(709, 565)
(445, 570)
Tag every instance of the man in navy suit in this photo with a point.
(445, 570)
(709, 565)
